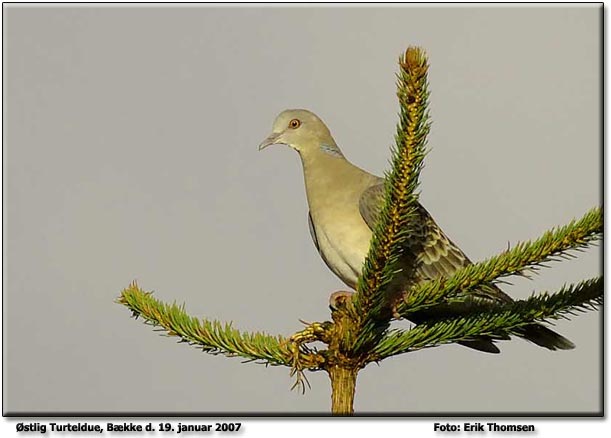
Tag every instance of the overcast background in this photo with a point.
(130, 152)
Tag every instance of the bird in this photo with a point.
(344, 204)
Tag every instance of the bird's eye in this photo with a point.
(294, 124)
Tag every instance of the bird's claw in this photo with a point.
(339, 299)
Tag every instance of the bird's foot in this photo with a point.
(339, 299)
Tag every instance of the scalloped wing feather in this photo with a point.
(438, 255)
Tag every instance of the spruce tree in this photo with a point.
(359, 330)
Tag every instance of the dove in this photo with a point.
(344, 204)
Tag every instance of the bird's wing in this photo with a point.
(438, 255)
(313, 231)
(315, 240)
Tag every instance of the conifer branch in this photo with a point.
(523, 259)
(214, 337)
(378, 287)
(360, 332)
(499, 322)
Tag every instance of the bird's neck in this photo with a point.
(325, 172)
(330, 148)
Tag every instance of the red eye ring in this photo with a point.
(294, 124)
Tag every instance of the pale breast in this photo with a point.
(333, 188)
(343, 242)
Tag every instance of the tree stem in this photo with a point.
(343, 383)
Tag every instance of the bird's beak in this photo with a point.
(272, 139)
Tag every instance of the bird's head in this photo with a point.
(300, 129)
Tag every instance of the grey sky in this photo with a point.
(130, 152)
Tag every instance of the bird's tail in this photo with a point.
(484, 344)
(545, 337)
(536, 333)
